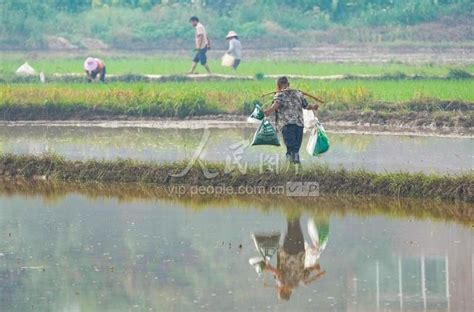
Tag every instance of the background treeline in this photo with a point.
(163, 23)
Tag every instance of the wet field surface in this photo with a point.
(85, 251)
(77, 253)
(373, 152)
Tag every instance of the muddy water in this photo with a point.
(74, 253)
(373, 152)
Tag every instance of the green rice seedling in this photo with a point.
(186, 99)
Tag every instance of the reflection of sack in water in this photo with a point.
(266, 244)
(258, 264)
(266, 135)
(257, 115)
(319, 236)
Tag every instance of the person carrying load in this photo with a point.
(94, 67)
(235, 48)
(288, 104)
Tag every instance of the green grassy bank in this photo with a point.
(445, 103)
(331, 181)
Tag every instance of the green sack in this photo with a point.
(323, 232)
(318, 142)
(266, 135)
(322, 142)
(257, 115)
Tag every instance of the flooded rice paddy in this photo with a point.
(373, 152)
(75, 252)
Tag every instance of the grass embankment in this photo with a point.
(332, 181)
(163, 65)
(437, 102)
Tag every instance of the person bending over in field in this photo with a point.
(202, 45)
(288, 104)
(95, 68)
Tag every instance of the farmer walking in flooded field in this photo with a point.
(94, 68)
(202, 45)
(288, 104)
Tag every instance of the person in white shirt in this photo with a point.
(235, 48)
(202, 45)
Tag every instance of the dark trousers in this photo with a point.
(294, 240)
(100, 73)
(236, 64)
(293, 137)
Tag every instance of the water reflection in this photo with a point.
(398, 208)
(86, 252)
(297, 261)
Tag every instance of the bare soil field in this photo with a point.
(371, 53)
(425, 53)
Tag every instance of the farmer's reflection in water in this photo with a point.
(297, 260)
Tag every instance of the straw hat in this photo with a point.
(231, 34)
(90, 64)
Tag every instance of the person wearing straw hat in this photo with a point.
(94, 67)
(235, 48)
